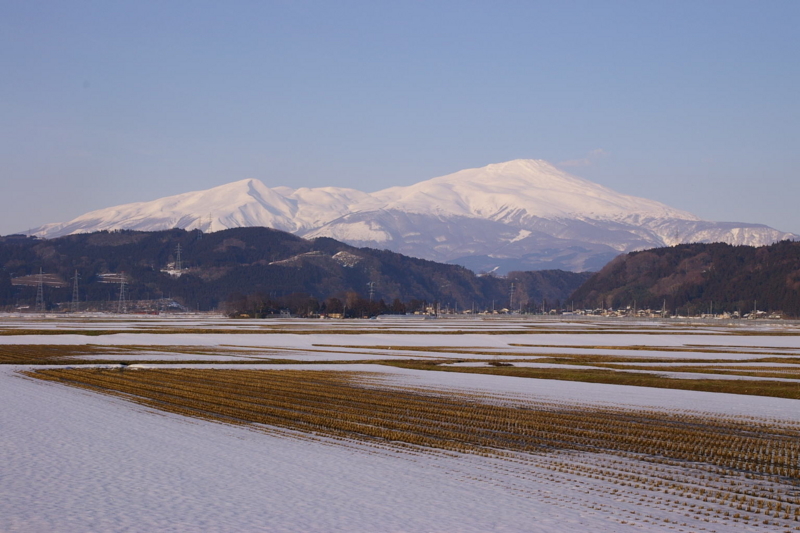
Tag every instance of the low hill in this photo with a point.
(261, 263)
(691, 278)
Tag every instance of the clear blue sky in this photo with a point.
(695, 104)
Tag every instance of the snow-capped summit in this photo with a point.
(239, 204)
(519, 215)
(532, 186)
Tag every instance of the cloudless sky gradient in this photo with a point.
(694, 104)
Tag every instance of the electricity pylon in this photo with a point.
(76, 302)
(122, 308)
(40, 293)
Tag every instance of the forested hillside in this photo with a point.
(692, 278)
(250, 265)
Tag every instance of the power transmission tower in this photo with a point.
(75, 296)
(178, 260)
(371, 286)
(511, 298)
(40, 293)
(122, 307)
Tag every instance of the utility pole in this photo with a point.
(75, 296)
(40, 293)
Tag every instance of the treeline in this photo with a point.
(700, 278)
(351, 305)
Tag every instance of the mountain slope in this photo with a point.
(507, 192)
(249, 261)
(691, 278)
(518, 215)
(245, 203)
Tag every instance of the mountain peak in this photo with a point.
(530, 165)
(522, 174)
(515, 167)
(231, 185)
(532, 187)
(524, 208)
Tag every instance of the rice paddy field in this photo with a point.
(458, 424)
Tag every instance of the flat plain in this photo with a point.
(456, 424)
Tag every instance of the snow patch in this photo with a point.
(523, 234)
(346, 259)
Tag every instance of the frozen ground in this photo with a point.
(345, 346)
(76, 461)
(79, 461)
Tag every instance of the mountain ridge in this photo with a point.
(690, 279)
(258, 262)
(523, 214)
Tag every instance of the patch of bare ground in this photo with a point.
(778, 389)
(742, 370)
(751, 350)
(25, 354)
(49, 354)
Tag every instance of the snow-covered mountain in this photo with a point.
(519, 215)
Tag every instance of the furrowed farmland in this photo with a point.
(400, 425)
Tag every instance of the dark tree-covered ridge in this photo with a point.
(242, 262)
(692, 278)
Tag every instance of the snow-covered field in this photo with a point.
(75, 460)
